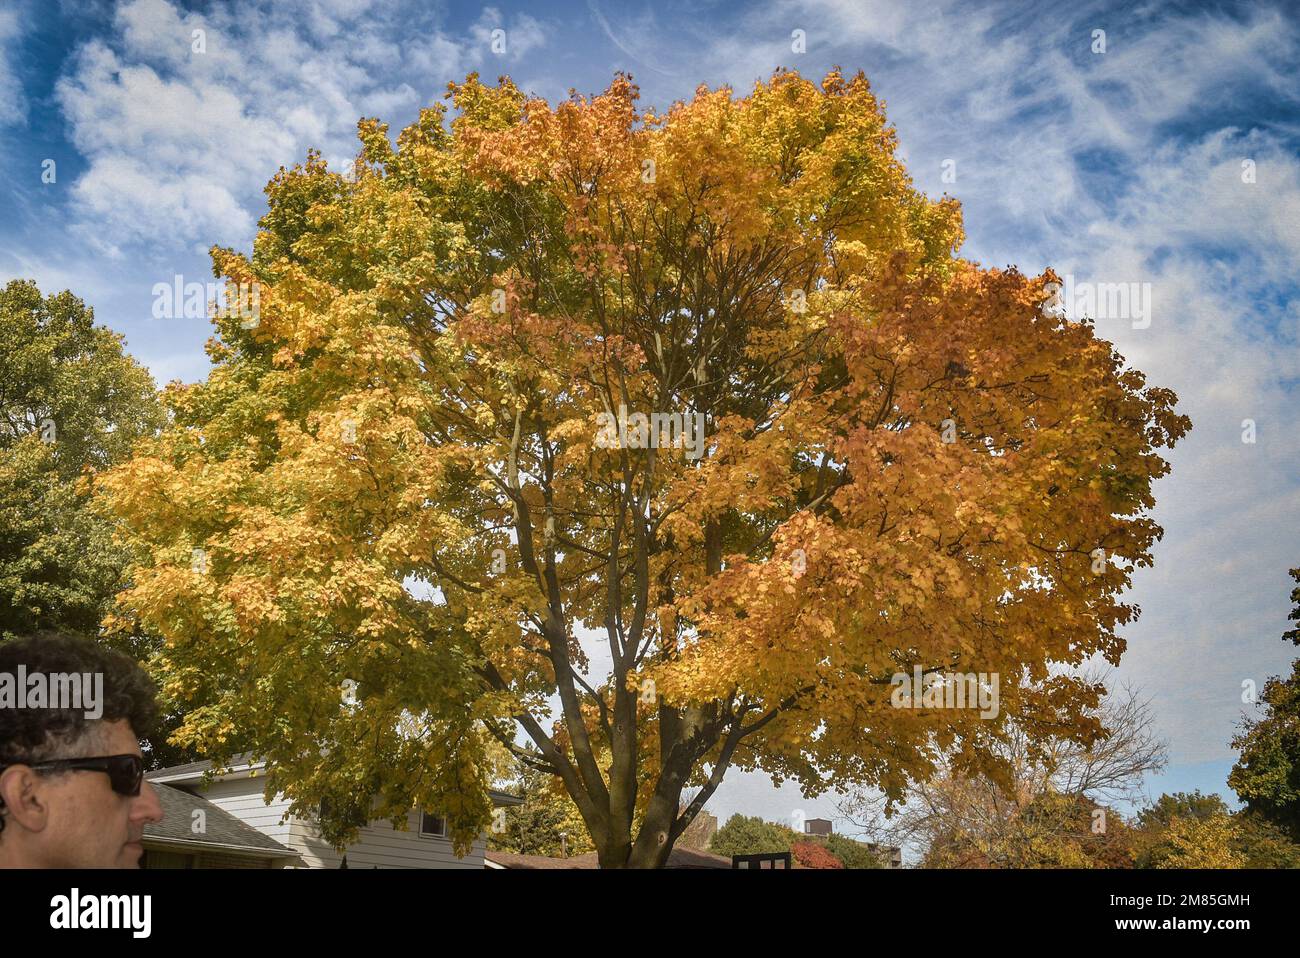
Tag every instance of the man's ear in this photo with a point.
(25, 801)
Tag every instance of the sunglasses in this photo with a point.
(125, 772)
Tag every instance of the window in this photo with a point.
(432, 826)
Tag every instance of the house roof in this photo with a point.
(238, 767)
(677, 858)
(222, 830)
(512, 860)
(245, 766)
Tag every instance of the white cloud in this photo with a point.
(180, 142)
(524, 34)
(1215, 606)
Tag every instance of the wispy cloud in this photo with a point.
(13, 102)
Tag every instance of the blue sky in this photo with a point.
(1122, 166)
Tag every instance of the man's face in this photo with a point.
(90, 825)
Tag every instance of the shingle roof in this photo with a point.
(677, 858)
(221, 829)
(196, 769)
(514, 860)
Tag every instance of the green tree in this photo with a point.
(547, 823)
(1168, 836)
(1168, 806)
(745, 835)
(70, 400)
(1263, 844)
(1267, 774)
(852, 854)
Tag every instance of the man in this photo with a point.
(72, 793)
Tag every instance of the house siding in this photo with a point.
(243, 798)
(379, 845)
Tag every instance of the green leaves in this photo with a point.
(70, 401)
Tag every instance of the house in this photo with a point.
(194, 833)
(237, 792)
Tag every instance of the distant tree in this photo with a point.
(1267, 773)
(1053, 830)
(852, 853)
(743, 835)
(70, 400)
(1052, 806)
(813, 854)
(1174, 829)
(1197, 842)
(547, 823)
(1180, 805)
(1263, 844)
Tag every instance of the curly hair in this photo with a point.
(30, 735)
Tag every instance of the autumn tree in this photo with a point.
(1193, 830)
(649, 444)
(1190, 831)
(810, 854)
(1055, 807)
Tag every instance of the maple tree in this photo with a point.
(398, 477)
